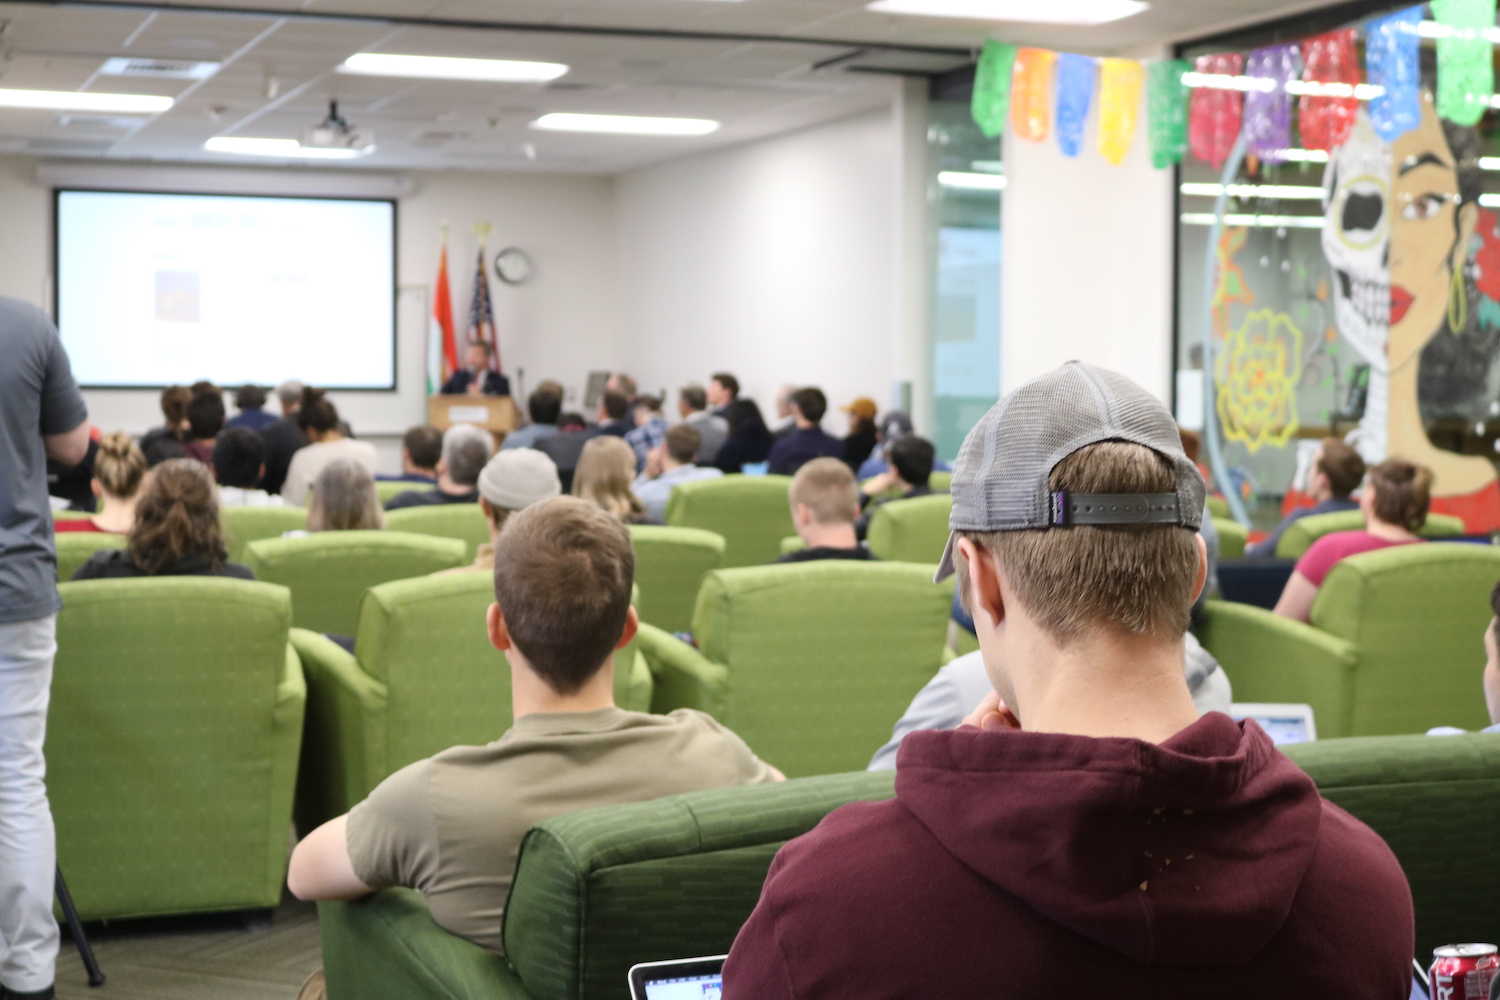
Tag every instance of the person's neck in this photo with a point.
(328, 437)
(829, 536)
(803, 424)
(672, 465)
(116, 514)
(1100, 685)
(448, 486)
(530, 695)
(1387, 532)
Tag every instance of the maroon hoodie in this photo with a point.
(1015, 865)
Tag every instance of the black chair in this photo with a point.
(1255, 581)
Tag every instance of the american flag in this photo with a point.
(481, 315)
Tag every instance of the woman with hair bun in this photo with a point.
(119, 475)
(606, 470)
(1394, 502)
(176, 531)
(319, 420)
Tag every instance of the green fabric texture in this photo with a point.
(172, 743)
(75, 547)
(792, 543)
(329, 571)
(669, 566)
(799, 639)
(749, 512)
(1232, 537)
(386, 489)
(681, 676)
(464, 521)
(940, 481)
(1301, 533)
(243, 525)
(70, 515)
(914, 530)
(1218, 507)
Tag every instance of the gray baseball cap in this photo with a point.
(1001, 478)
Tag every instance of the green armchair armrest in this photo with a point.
(343, 704)
(1271, 658)
(387, 947)
(682, 677)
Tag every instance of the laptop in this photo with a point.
(1288, 723)
(680, 979)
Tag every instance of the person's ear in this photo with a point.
(801, 516)
(1201, 579)
(98, 487)
(985, 595)
(441, 468)
(499, 634)
(260, 474)
(632, 625)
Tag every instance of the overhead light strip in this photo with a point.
(971, 182)
(1285, 191)
(287, 149)
(451, 68)
(1081, 13)
(75, 100)
(1258, 221)
(624, 124)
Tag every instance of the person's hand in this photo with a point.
(476, 385)
(654, 459)
(992, 715)
(879, 484)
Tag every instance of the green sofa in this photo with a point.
(243, 525)
(669, 567)
(1394, 646)
(914, 530)
(464, 521)
(75, 547)
(172, 744)
(329, 571)
(1301, 533)
(600, 890)
(811, 663)
(423, 677)
(749, 512)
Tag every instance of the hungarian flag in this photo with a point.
(481, 316)
(442, 350)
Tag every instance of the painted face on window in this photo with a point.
(1356, 239)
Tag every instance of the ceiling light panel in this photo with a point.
(72, 100)
(624, 124)
(160, 69)
(1071, 12)
(287, 149)
(451, 68)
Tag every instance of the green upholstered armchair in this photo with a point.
(1394, 645)
(172, 744)
(1301, 533)
(914, 530)
(811, 663)
(329, 571)
(75, 547)
(464, 521)
(423, 677)
(1232, 538)
(385, 489)
(749, 512)
(600, 890)
(243, 525)
(669, 566)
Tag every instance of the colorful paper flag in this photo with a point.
(1465, 62)
(1393, 64)
(991, 101)
(1119, 98)
(1031, 93)
(1268, 106)
(1075, 89)
(1214, 113)
(1330, 63)
(442, 349)
(1167, 110)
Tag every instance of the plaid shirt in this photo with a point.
(645, 437)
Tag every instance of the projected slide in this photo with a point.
(157, 289)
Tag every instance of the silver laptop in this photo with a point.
(679, 979)
(1284, 723)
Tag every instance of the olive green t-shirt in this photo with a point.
(451, 826)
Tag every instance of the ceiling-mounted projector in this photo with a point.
(335, 132)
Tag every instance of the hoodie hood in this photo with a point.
(1185, 853)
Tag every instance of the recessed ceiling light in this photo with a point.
(289, 149)
(625, 124)
(450, 68)
(971, 182)
(74, 100)
(1081, 12)
(162, 69)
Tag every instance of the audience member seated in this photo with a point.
(825, 503)
(670, 463)
(808, 441)
(566, 445)
(511, 481)
(1336, 472)
(748, 443)
(712, 428)
(1394, 503)
(1085, 822)
(862, 436)
(476, 377)
(164, 442)
(176, 530)
(451, 826)
(614, 413)
(343, 498)
(723, 389)
(319, 420)
(421, 447)
(284, 438)
(605, 471)
(119, 475)
(786, 411)
(250, 400)
(544, 406)
(650, 428)
(910, 469)
(239, 464)
(465, 450)
(893, 425)
(205, 414)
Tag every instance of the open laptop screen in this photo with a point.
(685, 979)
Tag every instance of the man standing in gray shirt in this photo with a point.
(41, 416)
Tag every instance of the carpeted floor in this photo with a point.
(201, 958)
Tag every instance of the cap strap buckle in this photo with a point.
(1114, 508)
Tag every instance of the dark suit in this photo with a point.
(495, 384)
(283, 439)
(564, 448)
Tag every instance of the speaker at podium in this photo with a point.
(496, 414)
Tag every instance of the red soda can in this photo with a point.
(1463, 971)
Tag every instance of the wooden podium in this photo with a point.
(496, 414)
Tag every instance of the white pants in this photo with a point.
(28, 845)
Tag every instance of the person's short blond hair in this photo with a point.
(1088, 579)
(827, 487)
